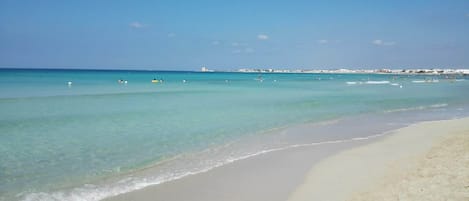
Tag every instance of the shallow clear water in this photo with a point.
(56, 138)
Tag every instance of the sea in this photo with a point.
(91, 134)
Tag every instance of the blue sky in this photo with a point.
(185, 35)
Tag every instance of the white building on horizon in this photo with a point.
(205, 69)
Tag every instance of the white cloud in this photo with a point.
(246, 50)
(171, 35)
(137, 25)
(377, 42)
(323, 41)
(326, 41)
(380, 42)
(262, 37)
(215, 42)
(235, 44)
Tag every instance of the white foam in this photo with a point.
(89, 192)
(439, 105)
(417, 108)
(355, 83)
(377, 82)
(425, 81)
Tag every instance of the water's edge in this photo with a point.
(145, 177)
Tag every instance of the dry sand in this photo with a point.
(425, 161)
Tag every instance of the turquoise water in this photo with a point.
(60, 141)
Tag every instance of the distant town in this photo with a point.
(357, 71)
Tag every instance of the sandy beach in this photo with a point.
(269, 177)
(425, 161)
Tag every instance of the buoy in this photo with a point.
(69, 83)
(184, 81)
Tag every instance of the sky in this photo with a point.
(227, 35)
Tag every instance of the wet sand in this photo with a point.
(368, 169)
(271, 177)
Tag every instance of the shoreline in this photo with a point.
(400, 166)
(247, 178)
(222, 183)
(342, 134)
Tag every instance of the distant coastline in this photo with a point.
(363, 71)
(420, 71)
(431, 71)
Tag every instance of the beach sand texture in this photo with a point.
(425, 161)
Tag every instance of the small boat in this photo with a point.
(155, 80)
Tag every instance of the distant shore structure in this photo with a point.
(429, 71)
(360, 71)
(205, 69)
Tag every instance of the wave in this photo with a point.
(378, 82)
(417, 108)
(90, 192)
(425, 81)
(369, 82)
(351, 83)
